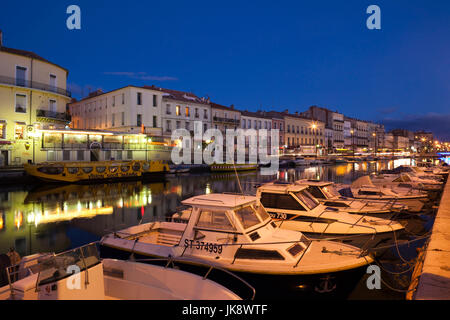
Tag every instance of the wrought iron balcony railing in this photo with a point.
(52, 115)
(34, 85)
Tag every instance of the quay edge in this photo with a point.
(434, 281)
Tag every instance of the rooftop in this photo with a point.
(30, 55)
(219, 200)
(313, 182)
(282, 187)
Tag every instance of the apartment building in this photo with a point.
(33, 95)
(304, 134)
(129, 109)
(224, 118)
(184, 110)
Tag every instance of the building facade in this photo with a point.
(33, 95)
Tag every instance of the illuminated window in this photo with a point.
(19, 131)
(2, 129)
(178, 111)
(21, 103)
(187, 111)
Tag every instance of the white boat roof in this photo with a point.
(317, 183)
(363, 181)
(282, 187)
(219, 200)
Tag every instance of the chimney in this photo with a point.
(232, 106)
(1, 38)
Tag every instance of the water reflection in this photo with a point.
(60, 217)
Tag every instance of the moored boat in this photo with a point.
(294, 208)
(80, 274)
(236, 233)
(73, 172)
(225, 167)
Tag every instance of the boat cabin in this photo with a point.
(322, 190)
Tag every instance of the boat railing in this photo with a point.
(54, 267)
(170, 262)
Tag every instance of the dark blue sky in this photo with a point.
(259, 54)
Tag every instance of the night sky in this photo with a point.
(256, 55)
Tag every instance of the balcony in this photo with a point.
(60, 116)
(227, 120)
(34, 85)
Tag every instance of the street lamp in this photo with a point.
(374, 135)
(314, 127)
(353, 144)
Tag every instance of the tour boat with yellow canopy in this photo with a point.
(73, 172)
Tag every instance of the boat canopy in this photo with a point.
(364, 181)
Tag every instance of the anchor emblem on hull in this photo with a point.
(326, 285)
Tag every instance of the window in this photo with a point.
(51, 155)
(205, 127)
(108, 155)
(130, 155)
(178, 110)
(52, 82)
(205, 114)
(196, 113)
(155, 121)
(52, 105)
(80, 155)
(168, 109)
(119, 155)
(21, 103)
(123, 118)
(113, 120)
(21, 76)
(280, 201)
(66, 155)
(187, 111)
(139, 120)
(2, 129)
(307, 199)
(187, 126)
(155, 103)
(19, 131)
(289, 128)
(247, 216)
(114, 101)
(214, 220)
(139, 98)
(178, 124)
(123, 98)
(243, 123)
(168, 126)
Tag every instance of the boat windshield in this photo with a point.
(214, 220)
(307, 199)
(330, 192)
(248, 216)
(261, 211)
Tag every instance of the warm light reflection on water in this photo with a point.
(44, 219)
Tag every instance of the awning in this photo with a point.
(5, 142)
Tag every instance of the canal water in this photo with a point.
(55, 218)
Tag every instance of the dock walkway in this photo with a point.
(434, 282)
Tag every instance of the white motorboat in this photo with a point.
(294, 208)
(300, 161)
(326, 193)
(406, 180)
(80, 274)
(236, 233)
(363, 188)
(419, 172)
